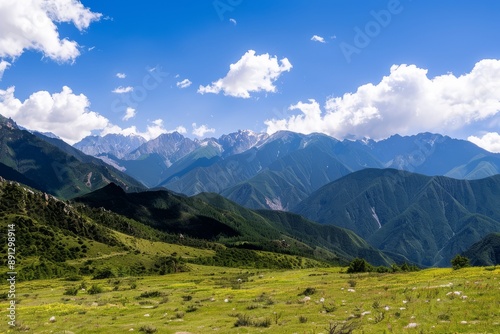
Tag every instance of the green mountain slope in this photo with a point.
(290, 179)
(54, 166)
(60, 239)
(426, 219)
(212, 217)
(485, 252)
(342, 242)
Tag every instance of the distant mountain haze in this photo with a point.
(278, 171)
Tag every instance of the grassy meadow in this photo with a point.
(223, 300)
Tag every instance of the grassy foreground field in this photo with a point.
(222, 300)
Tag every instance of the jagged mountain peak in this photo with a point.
(117, 145)
(240, 141)
(8, 122)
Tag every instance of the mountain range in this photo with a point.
(404, 199)
(278, 171)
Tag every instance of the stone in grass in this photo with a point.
(52, 319)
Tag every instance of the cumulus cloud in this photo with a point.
(153, 130)
(122, 90)
(489, 141)
(184, 83)
(202, 130)
(69, 116)
(317, 38)
(252, 73)
(3, 67)
(129, 113)
(31, 25)
(121, 75)
(64, 114)
(406, 101)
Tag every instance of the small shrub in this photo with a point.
(308, 292)
(71, 291)
(302, 319)
(264, 298)
(379, 317)
(252, 307)
(73, 278)
(444, 317)
(179, 315)
(329, 308)
(262, 323)
(341, 327)
(94, 289)
(191, 308)
(148, 329)
(187, 298)
(150, 294)
(352, 283)
(104, 273)
(243, 321)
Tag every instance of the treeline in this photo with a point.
(362, 266)
(246, 258)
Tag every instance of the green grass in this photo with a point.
(222, 300)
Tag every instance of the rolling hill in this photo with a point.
(214, 218)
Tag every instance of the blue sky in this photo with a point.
(347, 68)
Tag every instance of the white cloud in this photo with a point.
(250, 74)
(201, 130)
(405, 102)
(153, 130)
(184, 83)
(129, 113)
(31, 25)
(233, 21)
(122, 90)
(3, 67)
(307, 122)
(64, 114)
(317, 38)
(180, 129)
(121, 75)
(68, 116)
(489, 141)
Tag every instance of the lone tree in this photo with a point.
(459, 262)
